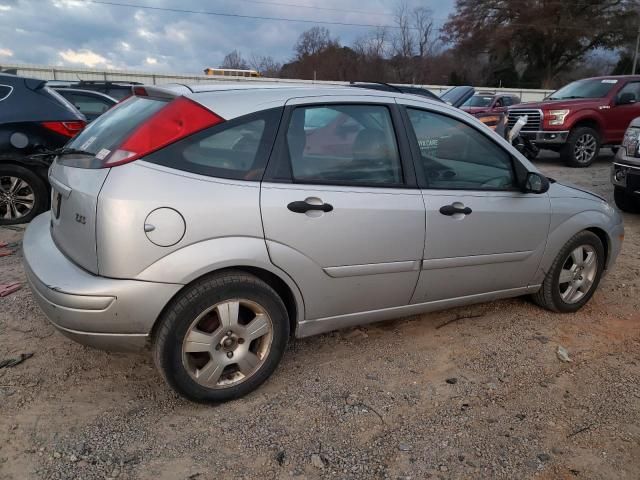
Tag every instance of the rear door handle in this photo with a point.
(453, 209)
(303, 207)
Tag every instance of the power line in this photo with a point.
(313, 7)
(237, 15)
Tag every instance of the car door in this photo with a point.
(499, 105)
(342, 214)
(620, 115)
(483, 234)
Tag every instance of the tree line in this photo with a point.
(494, 43)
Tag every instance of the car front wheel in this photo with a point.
(221, 337)
(574, 274)
(582, 147)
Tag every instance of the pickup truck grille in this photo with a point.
(534, 121)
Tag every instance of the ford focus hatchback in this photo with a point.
(214, 223)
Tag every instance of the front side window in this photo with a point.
(236, 149)
(343, 144)
(456, 156)
(631, 87)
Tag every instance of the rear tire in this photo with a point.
(582, 147)
(221, 337)
(625, 201)
(580, 272)
(23, 194)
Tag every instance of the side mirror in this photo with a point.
(626, 99)
(536, 183)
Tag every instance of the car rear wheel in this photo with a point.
(23, 194)
(582, 147)
(625, 201)
(221, 337)
(574, 274)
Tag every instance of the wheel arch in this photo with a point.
(288, 293)
(591, 122)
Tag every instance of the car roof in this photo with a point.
(231, 100)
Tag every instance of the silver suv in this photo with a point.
(213, 223)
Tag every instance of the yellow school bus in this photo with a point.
(231, 72)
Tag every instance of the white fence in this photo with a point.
(74, 74)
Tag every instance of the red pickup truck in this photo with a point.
(581, 117)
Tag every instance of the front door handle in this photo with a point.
(303, 207)
(453, 209)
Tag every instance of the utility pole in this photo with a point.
(635, 56)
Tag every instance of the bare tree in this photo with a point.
(313, 41)
(403, 41)
(373, 45)
(423, 28)
(234, 60)
(266, 65)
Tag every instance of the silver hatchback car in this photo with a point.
(213, 223)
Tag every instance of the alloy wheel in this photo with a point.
(578, 274)
(227, 343)
(585, 148)
(17, 198)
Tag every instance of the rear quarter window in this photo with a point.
(237, 149)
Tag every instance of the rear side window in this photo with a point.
(5, 91)
(343, 144)
(236, 149)
(110, 130)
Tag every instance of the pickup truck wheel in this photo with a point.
(625, 201)
(221, 337)
(574, 274)
(23, 194)
(582, 147)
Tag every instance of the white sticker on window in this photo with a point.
(102, 154)
(88, 143)
(609, 80)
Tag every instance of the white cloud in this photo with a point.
(125, 46)
(4, 8)
(5, 52)
(151, 61)
(85, 57)
(144, 33)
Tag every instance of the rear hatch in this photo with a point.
(77, 176)
(132, 129)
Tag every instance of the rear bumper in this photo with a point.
(547, 137)
(101, 312)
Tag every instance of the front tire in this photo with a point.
(625, 201)
(23, 194)
(582, 147)
(574, 274)
(221, 337)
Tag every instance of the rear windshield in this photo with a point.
(110, 130)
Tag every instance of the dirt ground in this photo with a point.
(483, 396)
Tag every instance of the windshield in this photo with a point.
(478, 101)
(591, 88)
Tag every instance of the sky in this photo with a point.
(83, 33)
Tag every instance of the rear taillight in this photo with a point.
(140, 92)
(178, 119)
(68, 129)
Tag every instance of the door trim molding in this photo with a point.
(372, 269)
(307, 328)
(473, 260)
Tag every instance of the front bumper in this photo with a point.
(626, 176)
(547, 137)
(96, 311)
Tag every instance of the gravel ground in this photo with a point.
(476, 392)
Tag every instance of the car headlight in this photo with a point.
(631, 142)
(557, 116)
